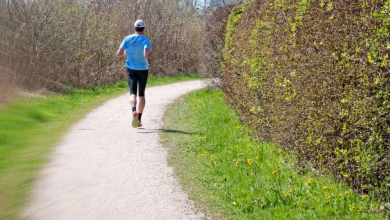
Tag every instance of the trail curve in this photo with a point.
(105, 169)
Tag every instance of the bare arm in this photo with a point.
(120, 53)
(147, 53)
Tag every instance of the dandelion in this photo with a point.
(286, 156)
(315, 192)
(309, 181)
(273, 172)
(211, 160)
(238, 127)
(365, 196)
(257, 157)
(325, 187)
(205, 137)
(340, 195)
(277, 166)
(259, 146)
(205, 152)
(249, 145)
(201, 155)
(346, 192)
(280, 151)
(237, 163)
(359, 210)
(353, 207)
(256, 139)
(249, 161)
(287, 194)
(329, 197)
(212, 156)
(290, 191)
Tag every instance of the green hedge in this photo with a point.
(313, 76)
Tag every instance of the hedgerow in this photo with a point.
(214, 42)
(313, 76)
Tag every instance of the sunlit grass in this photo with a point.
(29, 128)
(228, 172)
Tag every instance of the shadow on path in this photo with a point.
(147, 131)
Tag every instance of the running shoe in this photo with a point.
(135, 122)
(139, 124)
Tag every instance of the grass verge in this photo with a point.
(227, 172)
(29, 128)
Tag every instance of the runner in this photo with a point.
(137, 49)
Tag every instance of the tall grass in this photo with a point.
(227, 171)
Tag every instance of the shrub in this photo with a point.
(214, 42)
(313, 76)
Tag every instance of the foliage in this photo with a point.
(313, 76)
(245, 178)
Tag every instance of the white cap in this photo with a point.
(139, 23)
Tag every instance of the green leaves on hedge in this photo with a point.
(313, 76)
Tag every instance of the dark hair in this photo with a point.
(139, 29)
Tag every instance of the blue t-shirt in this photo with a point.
(134, 46)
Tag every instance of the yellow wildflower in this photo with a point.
(287, 194)
(257, 157)
(325, 187)
(237, 127)
(280, 151)
(340, 195)
(256, 139)
(286, 156)
(249, 161)
(201, 155)
(205, 137)
(212, 156)
(249, 145)
(353, 207)
(273, 172)
(205, 152)
(237, 163)
(290, 191)
(309, 181)
(329, 197)
(259, 146)
(315, 192)
(365, 196)
(211, 160)
(346, 192)
(277, 166)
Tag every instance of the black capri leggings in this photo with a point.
(134, 77)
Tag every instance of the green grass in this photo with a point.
(235, 177)
(29, 128)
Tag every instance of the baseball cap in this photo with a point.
(139, 23)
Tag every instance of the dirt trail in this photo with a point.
(105, 169)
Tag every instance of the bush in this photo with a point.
(214, 42)
(313, 76)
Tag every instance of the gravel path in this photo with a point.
(105, 169)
